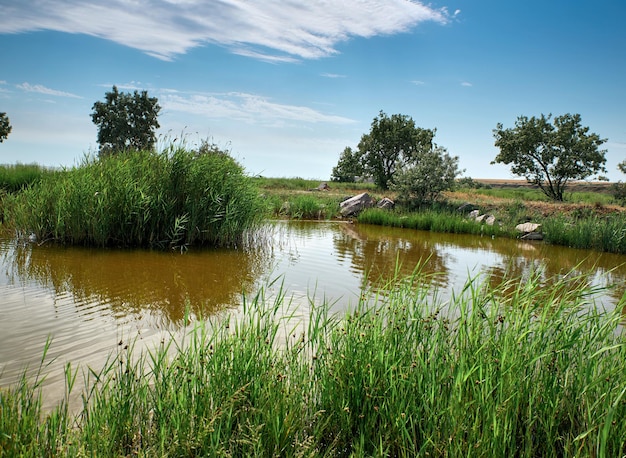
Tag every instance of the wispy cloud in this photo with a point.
(418, 82)
(272, 30)
(245, 107)
(332, 75)
(466, 84)
(38, 88)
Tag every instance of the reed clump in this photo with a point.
(436, 220)
(507, 370)
(601, 233)
(173, 198)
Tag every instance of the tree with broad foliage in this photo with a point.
(424, 180)
(5, 127)
(392, 143)
(126, 122)
(348, 168)
(550, 155)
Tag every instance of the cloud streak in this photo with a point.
(248, 108)
(38, 88)
(273, 30)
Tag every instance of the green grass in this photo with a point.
(170, 199)
(301, 184)
(16, 177)
(302, 206)
(534, 194)
(601, 233)
(517, 369)
(429, 220)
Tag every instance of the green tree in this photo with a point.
(126, 122)
(550, 155)
(424, 180)
(5, 127)
(348, 167)
(619, 188)
(392, 143)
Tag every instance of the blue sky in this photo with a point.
(287, 85)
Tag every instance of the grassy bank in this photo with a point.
(590, 219)
(509, 370)
(170, 199)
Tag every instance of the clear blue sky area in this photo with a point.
(286, 86)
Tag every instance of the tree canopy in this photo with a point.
(348, 168)
(5, 127)
(391, 143)
(550, 154)
(126, 122)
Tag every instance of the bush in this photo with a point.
(170, 199)
(424, 181)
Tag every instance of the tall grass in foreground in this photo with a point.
(514, 370)
(169, 199)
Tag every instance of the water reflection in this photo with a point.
(452, 258)
(131, 281)
(86, 298)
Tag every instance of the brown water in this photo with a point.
(89, 301)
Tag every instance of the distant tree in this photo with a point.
(424, 180)
(391, 143)
(619, 188)
(126, 121)
(5, 127)
(348, 168)
(550, 155)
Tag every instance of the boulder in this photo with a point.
(527, 227)
(490, 220)
(473, 214)
(354, 205)
(386, 203)
(322, 187)
(532, 236)
(466, 208)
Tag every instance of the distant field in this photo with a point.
(574, 186)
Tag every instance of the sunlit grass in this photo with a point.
(512, 370)
(170, 199)
(429, 220)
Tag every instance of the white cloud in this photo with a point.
(332, 75)
(249, 108)
(273, 30)
(38, 88)
(466, 84)
(418, 83)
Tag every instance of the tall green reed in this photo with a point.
(170, 199)
(429, 220)
(602, 233)
(517, 369)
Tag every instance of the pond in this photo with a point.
(90, 302)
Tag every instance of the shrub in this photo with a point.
(425, 180)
